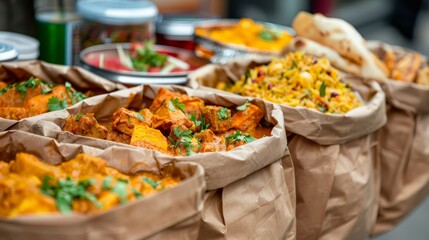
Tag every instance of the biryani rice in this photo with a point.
(298, 80)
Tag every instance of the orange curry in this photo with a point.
(83, 185)
(176, 124)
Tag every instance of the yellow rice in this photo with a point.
(297, 80)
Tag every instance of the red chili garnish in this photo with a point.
(261, 73)
(253, 80)
(334, 94)
(270, 86)
(328, 72)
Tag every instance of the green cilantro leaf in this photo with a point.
(222, 113)
(136, 193)
(74, 95)
(239, 136)
(66, 190)
(106, 183)
(151, 183)
(55, 104)
(179, 105)
(322, 90)
(140, 117)
(78, 116)
(244, 106)
(120, 189)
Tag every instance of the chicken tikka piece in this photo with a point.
(178, 125)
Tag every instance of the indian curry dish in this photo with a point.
(35, 96)
(83, 185)
(249, 34)
(176, 124)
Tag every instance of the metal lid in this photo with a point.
(7, 53)
(178, 25)
(117, 11)
(27, 47)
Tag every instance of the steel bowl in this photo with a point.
(220, 52)
(135, 77)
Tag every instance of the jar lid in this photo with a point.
(27, 47)
(117, 12)
(178, 25)
(7, 53)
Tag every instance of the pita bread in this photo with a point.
(311, 47)
(341, 37)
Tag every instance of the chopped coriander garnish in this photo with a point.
(175, 103)
(239, 136)
(222, 113)
(55, 104)
(78, 116)
(244, 106)
(66, 190)
(74, 95)
(151, 183)
(140, 117)
(199, 123)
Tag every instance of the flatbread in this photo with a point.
(342, 37)
(313, 48)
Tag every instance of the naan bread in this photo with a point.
(318, 50)
(342, 37)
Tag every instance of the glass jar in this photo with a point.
(177, 30)
(116, 21)
(57, 31)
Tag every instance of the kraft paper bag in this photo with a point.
(336, 157)
(174, 213)
(404, 147)
(222, 169)
(80, 78)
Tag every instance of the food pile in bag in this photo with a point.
(176, 124)
(35, 96)
(83, 185)
(297, 80)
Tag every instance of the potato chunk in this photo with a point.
(149, 138)
(85, 125)
(219, 118)
(124, 120)
(15, 113)
(248, 119)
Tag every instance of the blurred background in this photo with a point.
(398, 22)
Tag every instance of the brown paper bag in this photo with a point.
(171, 214)
(404, 149)
(222, 168)
(253, 207)
(80, 78)
(335, 157)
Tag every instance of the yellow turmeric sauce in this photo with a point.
(249, 34)
(83, 185)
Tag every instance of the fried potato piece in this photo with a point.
(183, 140)
(87, 125)
(389, 58)
(423, 76)
(34, 204)
(84, 166)
(162, 96)
(248, 119)
(219, 118)
(28, 164)
(170, 115)
(193, 106)
(149, 138)
(210, 142)
(407, 67)
(116, 136)
(15, 113)
(124, 120)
